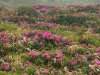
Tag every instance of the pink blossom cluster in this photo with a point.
(5, 36)
(51, 24)
(46, 55)
(45, 71)
(33, 54)
(6, 67)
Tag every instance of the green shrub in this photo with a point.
(16, 20)
(87, 40)
(71, 20)
(2, 8)
(23, 9)
(89, 9)
(53, 12)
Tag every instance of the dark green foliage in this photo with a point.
(2, 7)
(28, 10)
(20, 19)
(71, 20)
(88, 9)
(88, 40)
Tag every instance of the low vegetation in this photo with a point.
(50, 40)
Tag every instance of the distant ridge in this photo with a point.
(16, 3)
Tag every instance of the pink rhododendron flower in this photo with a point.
(73, 72)
(45, 71)
(52, 54)
(25, 73)
(90, 74)
(91, 68)
(32, 54)
(39, 66)
(74, 63)
(43, 50)
(21, 67)
(36, 54)
(89, 25)
(83, 61)
(89, 55)
(77, 55)
(37, 73)
(82, 57)
(6, 57)
(46, 55)
(35, 38)
(98, 66)
(41, 43)
(53, 70)
(6, 67)
(54, 62)
(27, 62)
(64, 69)
(67, 46)
(60, 59)
(55, 42)
(73, 43)
(98, 62)
(12, 69)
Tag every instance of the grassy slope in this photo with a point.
(23, 55)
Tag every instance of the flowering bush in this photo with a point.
(26, 10)
(47, 40)
(79, 20)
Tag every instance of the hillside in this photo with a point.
(50, 40)
(16, 3)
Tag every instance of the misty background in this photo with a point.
(16, 3)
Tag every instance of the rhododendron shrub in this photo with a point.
(46, 26)
(88, 9)
(88, 40)
(21, 19)
(54, 59)
(79, 20)
(26, 10)
(11, 43)
(46, 40)
(2, 8)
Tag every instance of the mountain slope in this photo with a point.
(16, 3)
